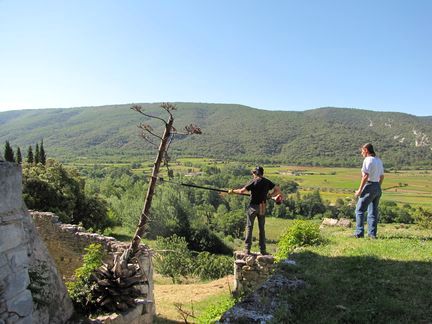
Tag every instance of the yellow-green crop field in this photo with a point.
(412, 187)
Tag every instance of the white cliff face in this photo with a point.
(31, 291)
(421, 139)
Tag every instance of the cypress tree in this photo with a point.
(37, 154)
(30, 157)
(18, 156)
(42, 154)
(8, 153)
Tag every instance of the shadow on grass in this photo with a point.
(161, 320)
(358, 289)
(405, 237)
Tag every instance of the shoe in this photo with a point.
(264, 253)
(372, 237)
(357, 236)
(247, 251)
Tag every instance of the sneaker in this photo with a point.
(357, 236)
(372, 237)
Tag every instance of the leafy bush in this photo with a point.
(214, 311)
(54, 188)
(423, 218)
(174, 260)
(231, 223)
(81, 290)
(208, 266)
(202, 239)
(301, 233)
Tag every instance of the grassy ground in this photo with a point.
(363, 281)
(348, 280)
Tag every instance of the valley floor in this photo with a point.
(167, 296)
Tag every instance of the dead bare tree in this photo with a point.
(162, 155)
(118, 284)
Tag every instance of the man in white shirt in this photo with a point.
(369, 192)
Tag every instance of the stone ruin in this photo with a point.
(250, 271)
(37, 251)
(262, 286)
(31, 288)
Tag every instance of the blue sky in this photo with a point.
(274, 55)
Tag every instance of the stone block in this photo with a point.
(3, 260)
(11, 236)
(10, 187)
(18, 258)
(21, 304)
(16, 283)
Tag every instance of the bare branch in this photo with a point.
(193, 129)
(138, 108)
(144, 136)
(185, 314)
(147, 128)
(168, 107)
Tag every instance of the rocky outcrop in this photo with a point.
(262, 304)
(31, 289)
(250, 271)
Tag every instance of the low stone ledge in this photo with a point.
(341, 222)
(67, 242)
(261, 305)
(250, 271)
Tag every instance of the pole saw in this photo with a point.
(278, 199)
(200, 187)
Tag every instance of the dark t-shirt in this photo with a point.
(259, 189)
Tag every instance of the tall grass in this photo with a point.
(363, 281)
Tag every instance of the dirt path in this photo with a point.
(167, 295)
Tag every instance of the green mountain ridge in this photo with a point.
(322, 136)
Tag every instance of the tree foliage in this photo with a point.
(54, 188)
(326, 136)
(8, 152)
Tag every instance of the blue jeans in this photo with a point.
(368, 200)
(251, 213)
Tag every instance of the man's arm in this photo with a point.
(381, 179)
(362, 184)
(240, 191)
(276, 191)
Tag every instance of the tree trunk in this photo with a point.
(150, 192)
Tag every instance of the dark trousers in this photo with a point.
(251, 213)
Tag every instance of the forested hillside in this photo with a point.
(324, 136)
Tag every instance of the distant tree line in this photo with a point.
(39, 156)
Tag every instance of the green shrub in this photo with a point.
(81, 290)
(210, 266)
(203, 239)
(300, 233)
(423, 217)
(173, 260)
(214, 311)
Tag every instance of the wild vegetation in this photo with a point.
(103, 190)
(325, 136)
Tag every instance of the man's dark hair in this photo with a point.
(258, 171)
(369, 147)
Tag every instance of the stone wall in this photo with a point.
(66, 244)
(250, 271)
(31, 290)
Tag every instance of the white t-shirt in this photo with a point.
(373, 166)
